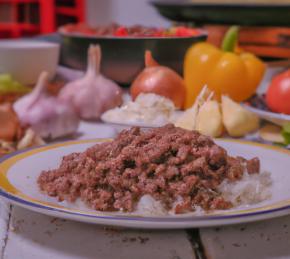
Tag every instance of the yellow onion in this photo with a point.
(10, 126)
(159, 80)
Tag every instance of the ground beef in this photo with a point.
(167, 163)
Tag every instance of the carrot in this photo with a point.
(267, 51)
(265, 36)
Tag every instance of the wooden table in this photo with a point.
(25, 234)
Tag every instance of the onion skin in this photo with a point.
(159, 80)
(10, 128)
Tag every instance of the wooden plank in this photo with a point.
(4, 219)
(47, 16)
(81, 10)
(19, 1)
(266, 239)
(33, 235)
(69, 11)
(20, 26)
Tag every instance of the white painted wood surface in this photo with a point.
(268, 239)
(4, 218)
(32, 235)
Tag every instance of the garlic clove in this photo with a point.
(29, 139)
(92, 94)
(48, 116)
(237, 120)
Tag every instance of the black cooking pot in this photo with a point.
(123, 58)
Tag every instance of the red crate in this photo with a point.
(30, 17)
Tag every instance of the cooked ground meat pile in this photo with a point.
(166, 163)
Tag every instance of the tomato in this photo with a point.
(121, 32)
(278, 94)
(182, 31)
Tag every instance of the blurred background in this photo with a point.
(268, 34)
(30, 17)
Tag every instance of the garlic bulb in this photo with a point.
(93, 94)
(48, 116)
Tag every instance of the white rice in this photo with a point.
(249, 190)
(148, 206)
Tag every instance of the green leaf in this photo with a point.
(286, 133)
(8, 85)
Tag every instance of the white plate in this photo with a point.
(18, 174)
(276, 118)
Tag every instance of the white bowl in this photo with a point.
(276, 118)
(26, 59)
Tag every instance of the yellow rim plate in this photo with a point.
(8, 191)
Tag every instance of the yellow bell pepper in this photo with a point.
(223, 71)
